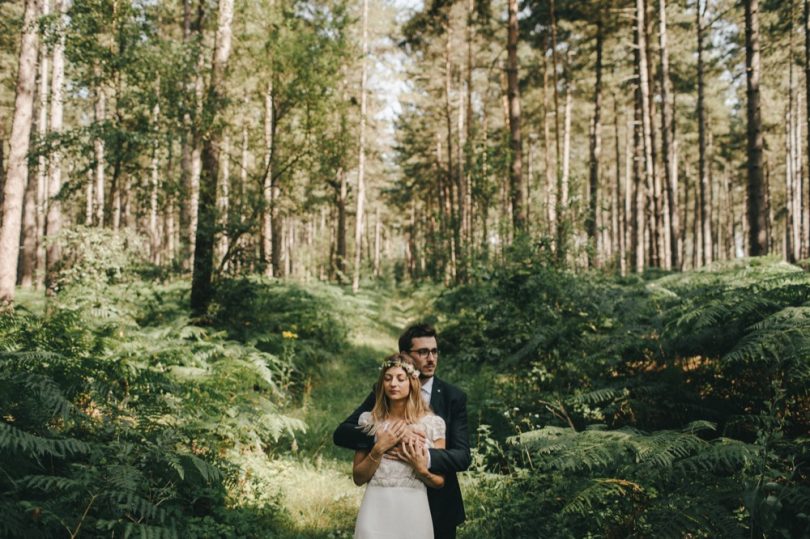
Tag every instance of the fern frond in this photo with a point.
(13, 439)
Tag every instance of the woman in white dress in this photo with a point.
(395, 505)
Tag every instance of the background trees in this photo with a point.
(612, 135)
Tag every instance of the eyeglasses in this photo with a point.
(425, 352)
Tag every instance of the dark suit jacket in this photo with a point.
(449, 403)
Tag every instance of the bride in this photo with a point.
(397, 488)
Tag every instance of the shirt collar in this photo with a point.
(427, 387)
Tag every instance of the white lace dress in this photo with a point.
(395, 505)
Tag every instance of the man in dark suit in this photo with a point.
(449, 403)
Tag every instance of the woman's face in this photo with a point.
(396, 384)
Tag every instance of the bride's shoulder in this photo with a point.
(432, 419)
(365, 419)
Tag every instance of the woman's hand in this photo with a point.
(390, 435)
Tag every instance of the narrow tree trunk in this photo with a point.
(342, 251)
(565, 182)
(551, 177)
(805, 250)
(100, 116)
(595, 149)
(223, 204)
(28, 253)
(516, 179)
(449, 183)
(267, 183)
(154, 186)
(54, 217)
(757, 209)
(17, 175)
(618, 196)
(377, 243)
(201, 286)
(703, 176)
(361, 163)
(668, 140)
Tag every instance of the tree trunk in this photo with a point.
(267, 182)
(361, 162)
(54, 217)
(342, 253)
(32, 256)
(154, 186)
(595, 150)
(100, 116)
(551, 177)
(703, 176)
(757, 211)
(668, 140)
(17, 175)
(805, 206)
(516, 180)
(223, 204)
(30, 239)
(201, 286)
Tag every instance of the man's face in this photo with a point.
(425, 354)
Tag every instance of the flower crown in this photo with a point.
(407, 367)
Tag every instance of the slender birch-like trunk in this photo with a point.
(54, 216)
(361, 163)
(595, 150)
(17, 175)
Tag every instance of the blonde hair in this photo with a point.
(415, 408)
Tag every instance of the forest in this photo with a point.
(216, 218)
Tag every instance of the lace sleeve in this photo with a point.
(436, 429)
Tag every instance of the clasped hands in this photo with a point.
(400, 441)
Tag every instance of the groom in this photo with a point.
(448, 402)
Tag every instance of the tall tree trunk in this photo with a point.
(267, 182)
(617, 212)
(154, 187)
(668, 140)
(342, 250)
(757, 209)
(54, 218)
(361, 162)
(223, 203)
(565, 182)
(551, 176)
(595, 149)
(201, 286)
(449, 183)
(516, 180)
(703, 176)
(805, 209)
(100, 116)
(32, 256)
(27, 268)
(17, 175)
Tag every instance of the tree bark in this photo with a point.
(201, 285)
(267, 182)
(805, 206)
(516, 180)
(668, 139)
(703, 176)
(361, 162)
(757, 212)
(17, 175)
(595, 150)
(54, 217)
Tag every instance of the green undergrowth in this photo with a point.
(672, 406)
(120, 415)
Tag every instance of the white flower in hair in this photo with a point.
(407, 367)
